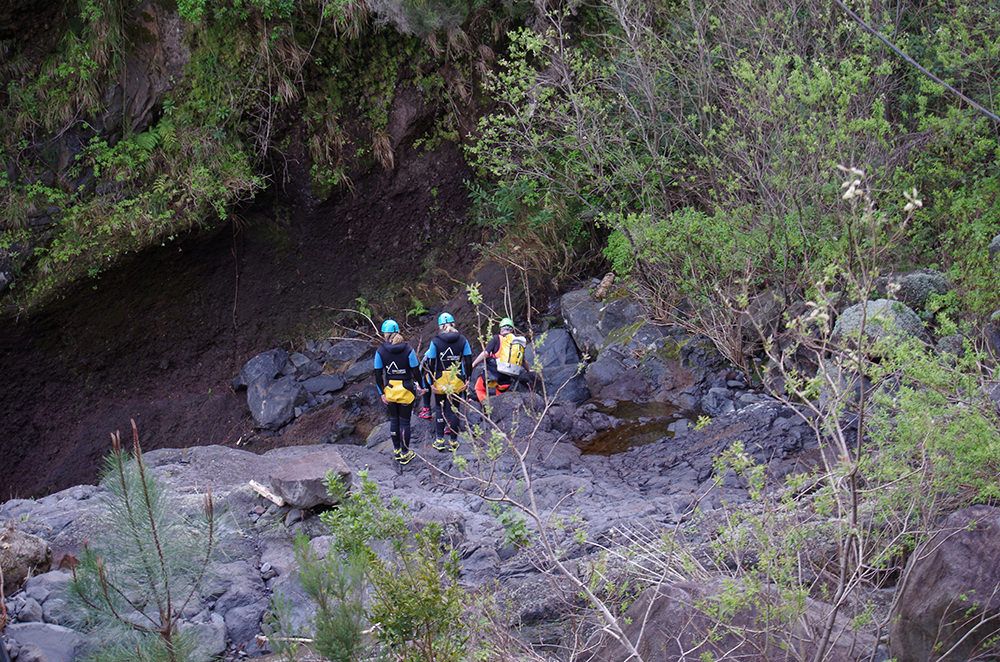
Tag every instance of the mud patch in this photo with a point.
(159, 337)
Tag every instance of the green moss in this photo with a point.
(624, 335)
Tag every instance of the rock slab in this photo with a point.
(301, 481)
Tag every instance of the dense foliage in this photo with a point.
(88, 177)
(704, 139)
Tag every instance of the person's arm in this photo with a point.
(467, 360)
(379, 376)
(427, 364)
(491, 347)
(415, 373)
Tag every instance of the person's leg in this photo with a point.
(481, 387)
(405, 412)
(450, 415)
(425, 409)
(393, 409)
(440, 402)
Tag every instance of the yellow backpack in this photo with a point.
(510, 356)
(397, 393)
(449, 382)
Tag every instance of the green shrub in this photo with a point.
(133, 583)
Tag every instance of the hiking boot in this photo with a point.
(453, 445)
(397, 453)
(424, 413)
(404, 458)
(440, 445)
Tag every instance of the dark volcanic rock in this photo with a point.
(324, 384)
(914, 288)
(272, 404)
(265, 366)
(953, 586)
(560, 362)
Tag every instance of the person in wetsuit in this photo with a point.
(397, 376)
(448, 365)
(489, 376)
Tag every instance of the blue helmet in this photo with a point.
(445, 318)
(390, 326)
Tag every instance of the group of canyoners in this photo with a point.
(444, 373)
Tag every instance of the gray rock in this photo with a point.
(582, 315)
(953, 583)
(885, 320)
(953, 344)
(31, 612)
(358, 371)
(995, 247)
(22, 555)
(566, 383)
(305, 367)
(301, 482)
(718, 402)
(53, 642)
(914, 288)
(272, 404)
(50, 584)
(554, 348)
(57, 610)
(243, 623)
(265, 366)
(348, 351)
(324, 384)
(208, 635)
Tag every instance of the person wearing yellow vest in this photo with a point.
(505, 361)
(397, 376)
(448, 366)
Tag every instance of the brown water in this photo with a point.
(641, 423)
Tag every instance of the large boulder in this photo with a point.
(301, 481)
(951, 599)
(594, 323)
(263, 367)
(668, 624)
(22, 555)
(560, 362)
(884, 320)
(914, 288)
(272, 403)
(995, 247)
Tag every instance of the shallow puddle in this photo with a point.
(641, 423)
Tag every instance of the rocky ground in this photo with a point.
(664, 377)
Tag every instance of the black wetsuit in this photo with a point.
(446, 350)
(398, 362)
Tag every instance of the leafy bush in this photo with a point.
(704, 138)
(417, 608)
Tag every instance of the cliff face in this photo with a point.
(166, 230)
